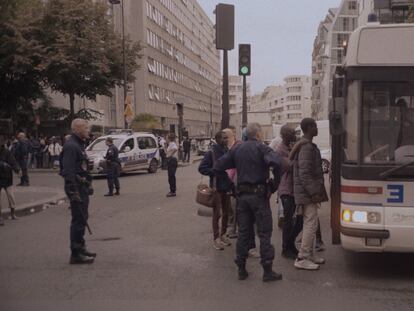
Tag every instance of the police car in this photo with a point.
(137, 151)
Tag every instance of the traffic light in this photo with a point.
(224, 26)
(244, 60)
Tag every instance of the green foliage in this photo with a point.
(84, 54)
(21, 56)
(145, 122)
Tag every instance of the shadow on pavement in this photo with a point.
(380, 265)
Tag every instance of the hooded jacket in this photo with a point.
(308, 177)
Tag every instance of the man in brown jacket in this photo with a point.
(309, 191)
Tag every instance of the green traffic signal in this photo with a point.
(244, 70)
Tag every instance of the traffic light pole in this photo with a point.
(244, 107)
(225, 118)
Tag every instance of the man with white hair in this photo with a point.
(252, 159)
(78, 189)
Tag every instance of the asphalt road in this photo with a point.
(154, 253)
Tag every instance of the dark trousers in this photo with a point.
(291, 227)
(163, 159)
(172, 169)
(186, 156)
(251, 208)
(24, 179)
(221, 209)
(112, 176)
(39, 160)
(80, 215)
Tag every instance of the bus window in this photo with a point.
(387, 121)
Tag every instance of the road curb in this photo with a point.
(38, 206)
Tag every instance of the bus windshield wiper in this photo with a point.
(393, 170)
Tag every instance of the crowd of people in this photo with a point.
(239, 177)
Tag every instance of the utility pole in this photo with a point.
(244, 106)
(125, 84)
(225, 113)
(244, 71)
(225, 41)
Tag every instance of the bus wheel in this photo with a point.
(153, 167)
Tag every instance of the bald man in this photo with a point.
(78, 188)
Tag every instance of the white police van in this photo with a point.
(137, 151)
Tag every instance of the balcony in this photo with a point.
(399, 4)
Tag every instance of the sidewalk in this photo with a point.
(33, 199)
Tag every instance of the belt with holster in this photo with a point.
(258, 189)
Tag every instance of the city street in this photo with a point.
(155, 253)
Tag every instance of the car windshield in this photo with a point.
(100, 144)
(388, 123)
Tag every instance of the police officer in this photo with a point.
(78, 188)
(252, 159)
(21, 153)
(112, 167)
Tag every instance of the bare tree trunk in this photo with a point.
(72, 107)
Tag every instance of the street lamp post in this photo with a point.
(121, 2)
(211, 110)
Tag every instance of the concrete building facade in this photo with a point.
(387, 11)
(179, 65)
(341, 23)
(284, 104)
(236, 94)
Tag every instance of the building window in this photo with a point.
(352, 5)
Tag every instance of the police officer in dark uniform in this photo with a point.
(78, 189)
(21, 154)
(112, 167)
(252, 159)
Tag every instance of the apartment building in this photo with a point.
(236, 94)
(340, 23)
(320, 55)
(285, 104)
(387, 11)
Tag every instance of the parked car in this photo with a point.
(137, 151)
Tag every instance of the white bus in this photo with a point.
(373, 183)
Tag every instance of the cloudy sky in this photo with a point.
(281, 33)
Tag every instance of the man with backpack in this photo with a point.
(8, 164)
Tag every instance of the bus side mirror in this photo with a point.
(335, 123)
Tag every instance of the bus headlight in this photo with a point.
(346, 215)
(361, 217)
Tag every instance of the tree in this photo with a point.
(145, 122)
(84, 54)
(21, 56)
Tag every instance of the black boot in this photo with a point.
(269, 275)
(80, 259)
(1, 221)
(109, 194)
(243, 274)
(13, 214)
(117, 192)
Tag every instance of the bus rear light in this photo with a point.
(361, 190)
